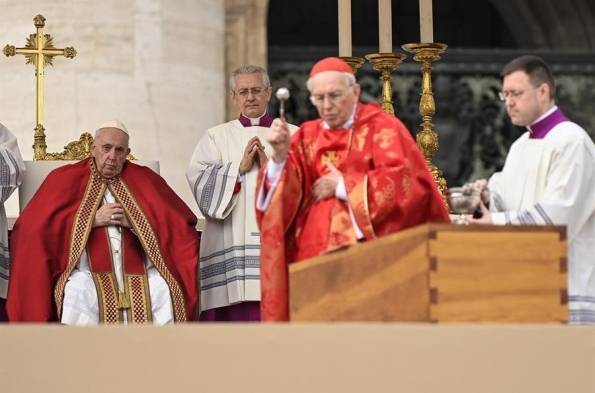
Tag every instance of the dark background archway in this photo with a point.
(482, 35)
(301, 23)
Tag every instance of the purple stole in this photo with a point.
(264, 121)
(540, 129)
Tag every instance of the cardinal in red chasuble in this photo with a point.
(353, 175)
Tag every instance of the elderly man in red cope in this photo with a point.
(354, 174)
(104, 241)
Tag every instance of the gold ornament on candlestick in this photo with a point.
(386, 64)
(427, 139)
(354, 62)
(40, 52)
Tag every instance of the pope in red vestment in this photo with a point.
(68, 216)
(354, 174)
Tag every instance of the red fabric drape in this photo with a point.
(41, 237)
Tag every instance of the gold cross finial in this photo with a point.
(39, 51)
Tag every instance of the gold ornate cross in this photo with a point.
(39, 51)
(329, 156)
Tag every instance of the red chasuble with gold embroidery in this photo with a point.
(388, 184)
(51, 233)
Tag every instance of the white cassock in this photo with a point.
(230, 243)
(81, 306)
(552, 181)
(12, 168)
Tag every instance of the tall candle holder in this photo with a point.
(427, 139)
(386, 63)
(354, 62)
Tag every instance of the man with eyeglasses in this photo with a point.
(222, 176)
(548, 177)
(353, 175)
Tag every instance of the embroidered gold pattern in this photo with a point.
(360, 138)
(384, 138)
(83, 221)
(107, 295)
(147, 237)
(140, 303)
(369, 225)
(329, 156)
(123, 300)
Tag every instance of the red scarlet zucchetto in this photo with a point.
(330, 64)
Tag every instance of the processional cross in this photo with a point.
(39, 51)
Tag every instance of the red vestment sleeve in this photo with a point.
(274, 224)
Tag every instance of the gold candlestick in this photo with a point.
(386, 63)
(427, 139)
(354, 62)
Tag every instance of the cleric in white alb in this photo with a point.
(222, 175)
(548, 177)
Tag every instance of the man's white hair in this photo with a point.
(349, 78)
(248, 69)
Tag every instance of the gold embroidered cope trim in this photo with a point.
(83, 222)
(107, 296)
(139, 303)
(148, 239)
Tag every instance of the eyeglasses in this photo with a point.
(333, 97)
(514, 94)
(254, 90)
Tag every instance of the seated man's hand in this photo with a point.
(326, 186)
(110, 214)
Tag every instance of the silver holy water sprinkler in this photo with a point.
(282, 95)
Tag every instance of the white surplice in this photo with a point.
(81, 306)
(230, 243)
(552, 181)
(12, 169)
